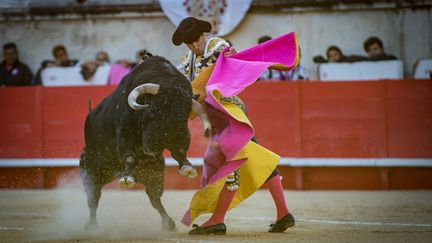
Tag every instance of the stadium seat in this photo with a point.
(423, 69)
(71, 76)
(361, 71)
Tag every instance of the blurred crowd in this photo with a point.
(13, 72)
(373, 47)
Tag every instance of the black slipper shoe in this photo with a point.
(282, 224)
(217, 229)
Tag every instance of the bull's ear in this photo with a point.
(144, 54)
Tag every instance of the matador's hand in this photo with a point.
(231, 51)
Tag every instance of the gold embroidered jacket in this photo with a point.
(197, 64)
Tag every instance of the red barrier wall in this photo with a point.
(321, 120)
(343, 120)
(338, 119)
(409, 119)
(21, 123)
(64, 112)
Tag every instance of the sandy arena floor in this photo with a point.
(127, 216)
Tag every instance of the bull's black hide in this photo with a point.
(122, 142)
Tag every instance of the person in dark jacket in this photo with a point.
(61, 59)
(375, 49)
(12, 71)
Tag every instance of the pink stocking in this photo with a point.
(275, 187)
(218, 217)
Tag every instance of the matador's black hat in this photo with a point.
(189, 30)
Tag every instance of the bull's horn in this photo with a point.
(199, 110)
(148, 88)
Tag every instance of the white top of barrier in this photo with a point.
(71, 76)
(375, 70)
(423, 69)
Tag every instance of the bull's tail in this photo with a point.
(89, 104)
(87, 125)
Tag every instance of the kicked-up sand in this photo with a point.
(127, 216)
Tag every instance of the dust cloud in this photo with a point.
(122, 214)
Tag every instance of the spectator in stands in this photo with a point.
(335, 54)
(12, 71)
(61, 59)
(89, 68)
(102, 57)
(375, 49)
(270, 74)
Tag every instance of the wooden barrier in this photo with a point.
(378, 119)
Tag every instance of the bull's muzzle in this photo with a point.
(126, 182)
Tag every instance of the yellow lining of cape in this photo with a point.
(253, 173)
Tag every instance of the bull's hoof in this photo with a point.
(126, 182)
(168, 225)
(91, 227)
(188, 171)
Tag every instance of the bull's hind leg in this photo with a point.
(93, 190)
(153, 181)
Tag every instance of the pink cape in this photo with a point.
(233, 74)
(230, 76)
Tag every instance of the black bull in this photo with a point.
(127, 132)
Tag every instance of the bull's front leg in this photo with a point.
(153, 179)
(128, 156)
(185, 167)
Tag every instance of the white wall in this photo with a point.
(121, 38)
(405, 33)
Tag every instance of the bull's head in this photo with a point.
(178, 141)
(150, 88)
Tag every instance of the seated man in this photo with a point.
(375, 50)
(12, 71)
(61, 59)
